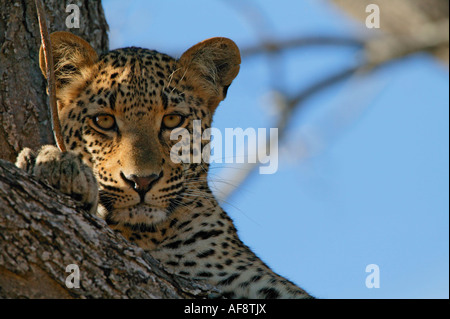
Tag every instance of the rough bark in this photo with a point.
(24, 114)
(42, 232)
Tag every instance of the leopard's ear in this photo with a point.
(71, 54)
(210, 66)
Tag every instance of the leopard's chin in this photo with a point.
(141, 215)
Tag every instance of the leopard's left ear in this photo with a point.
(71, 54)
(210, 66)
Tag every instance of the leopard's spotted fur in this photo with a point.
(164, 207)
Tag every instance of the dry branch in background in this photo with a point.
(411, 22)
(407, 27)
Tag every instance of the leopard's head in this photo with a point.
(118, 111)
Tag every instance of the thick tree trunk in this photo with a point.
(42, 232)
(24, 114)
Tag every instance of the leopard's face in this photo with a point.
(124, 117)
(119, 112)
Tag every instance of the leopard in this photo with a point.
(117, 111)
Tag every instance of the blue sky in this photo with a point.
(373, 188)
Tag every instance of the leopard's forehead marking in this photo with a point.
(134, 81)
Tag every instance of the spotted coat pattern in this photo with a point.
(164, 207)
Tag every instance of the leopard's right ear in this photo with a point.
(71, 54)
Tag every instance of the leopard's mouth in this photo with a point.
(134, 212)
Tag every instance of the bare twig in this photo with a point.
(423, 29)
(46, 45)
(282, 45)
(294, 103)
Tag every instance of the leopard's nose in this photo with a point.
(141, 184)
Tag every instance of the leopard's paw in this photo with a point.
(63, 171)
(26, 159)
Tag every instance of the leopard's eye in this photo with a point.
(105, 122)
(172, 121)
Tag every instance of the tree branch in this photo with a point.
(42, 232)
(289, 105)
(276, 46)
